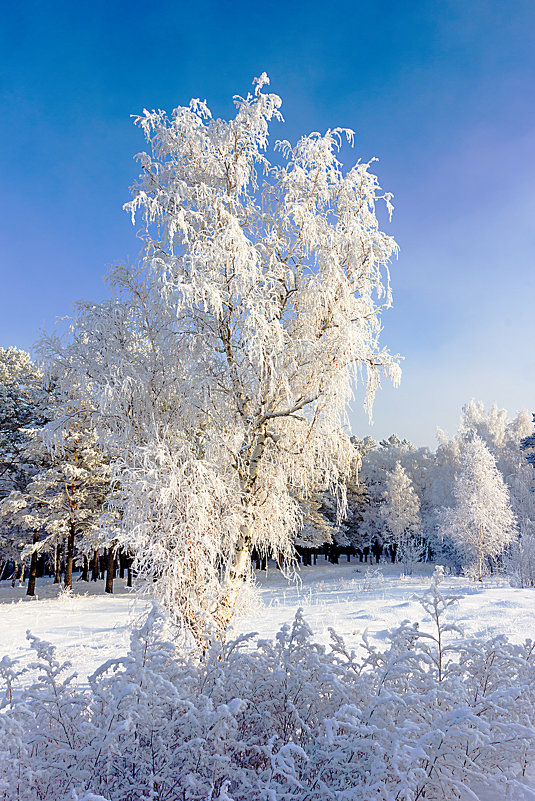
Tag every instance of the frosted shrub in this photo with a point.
(373, 580)
(433, 716)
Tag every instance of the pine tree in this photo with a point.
(26, 400)
(63, 498)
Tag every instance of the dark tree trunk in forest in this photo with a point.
(110, 570)
(70, 557)
(334, 554)
(85, 569)
(33, 567)
(123, 563)
(95, 567)
(57, 565)
(129, 561)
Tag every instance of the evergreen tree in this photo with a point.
(26, 400)
(63, 500)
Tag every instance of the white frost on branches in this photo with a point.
(223, 365)
(401, 515)
(481, 521)
(431, 716)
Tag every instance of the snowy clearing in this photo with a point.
(90, 626)
(93, 627)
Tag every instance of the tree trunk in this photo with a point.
(57, 564)
(95, 567)
(129, 577)
(234, 581)
(33, 567)
(110, 569)
(480, 553)
(85, 569)
(70, 557)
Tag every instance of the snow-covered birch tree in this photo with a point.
(222, 367)
(400, 512)
(480, 521)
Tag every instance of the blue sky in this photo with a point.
(442, 92)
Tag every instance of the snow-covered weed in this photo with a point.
(434, 716)
(373, 580)
(67, 598)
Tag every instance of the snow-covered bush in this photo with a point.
(373, 580)
(433, 716)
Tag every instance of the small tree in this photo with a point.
(223, 366)
(481, 521)
(400, 512)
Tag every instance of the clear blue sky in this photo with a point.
(442, 92)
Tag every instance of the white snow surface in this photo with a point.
(88, 627)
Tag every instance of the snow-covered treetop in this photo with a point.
(272, 275)
(528, 444)
(23, 397)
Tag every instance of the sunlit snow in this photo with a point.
(90, 626)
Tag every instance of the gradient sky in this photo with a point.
(442, 92)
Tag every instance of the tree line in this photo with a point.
(470, 504)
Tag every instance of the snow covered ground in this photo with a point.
(90, 627)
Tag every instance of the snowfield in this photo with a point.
(285, 718)
(89, 627)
